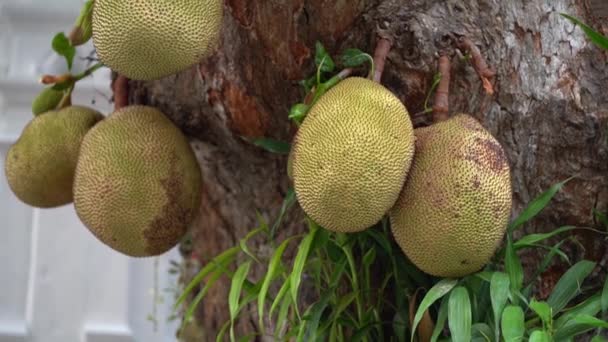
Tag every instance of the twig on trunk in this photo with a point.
(120, 86)
(479, 63)
(382, 50)
(441, 104)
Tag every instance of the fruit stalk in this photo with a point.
(120, 86)
(479, 63)
(382, 50)
(441, 105)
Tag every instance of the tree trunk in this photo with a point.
(549, 108)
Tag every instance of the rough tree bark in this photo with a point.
(549, 109)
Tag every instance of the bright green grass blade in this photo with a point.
(277, 300)
(199, 297)
(442, 317)
(222, 332)
(459, 315)
(435, 293)
(540, 336)
(512, 324)
(288, 202)
(273, 267)
(591, 321)
(235, 293)
(537, 205)
(281, 321)
(245, 247)
(299, 262)
(273, 146)
(499, 292)
(317, 309)
(604, 300)
(531, 239)
(593, 35)
(481, 332)
(590, 306)
(544, 311)
(513, 267)
(223, 258)
(569, 284)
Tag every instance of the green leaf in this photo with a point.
(513, 267)
(442, 317)
(273, 267)
(481, 332)
(604, 300)
(243, 243)
(540, 336)
(299, 262)
(591, 321)
(499, 293)
(601, 217)
(83, 28)
(594, 36)
(224, 258)
(277, 300)
(288, 202)
(322, 59)
(298, 112)
(599, 338)
(199, 297)
(272, 145)
(531, 239)
(512, 324)
(235, 293)
(569, 284)
(282, 321)
(435, 293)
(222, 332)
(48, 99)
(459, 315)
(544, 311)
(537, 205)
(590, 306)
(61, 45)
(352, 58)
(315, 313)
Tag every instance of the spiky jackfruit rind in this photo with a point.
(138, 183)
(40, 165)
(151, 39)
(351, 155)
(456, 202)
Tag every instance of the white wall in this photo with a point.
(57, 282)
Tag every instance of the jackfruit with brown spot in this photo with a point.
(138, 184)
(351, 155)
(151, 39)
(40, 166)
(455, 205)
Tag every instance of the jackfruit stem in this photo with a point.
(441, 105)
(484, 72)
(382, 49)
(120, 86)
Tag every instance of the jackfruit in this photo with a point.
(454, 208)
(151, 39)
(351, 155)
(138, 184)
(40, 165)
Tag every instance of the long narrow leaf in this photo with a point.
(298, 264)
(594, 36)
(273, 267)
(459, 315)
(235, 293)
(435, 293)
(512, 324)
(316, 311)
(537, 205)
(569, 285)
(277, 300)
(591, 321)
(514, 268)
(532, 239)
(499, 292)
(442, 317)
(223, 258)
(604, 300)
(543, 310)
(590, 306)
(540, 336)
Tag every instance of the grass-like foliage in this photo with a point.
(361, 287)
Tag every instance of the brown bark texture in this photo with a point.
(549, 107)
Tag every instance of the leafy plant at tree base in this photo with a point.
(361, 287)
